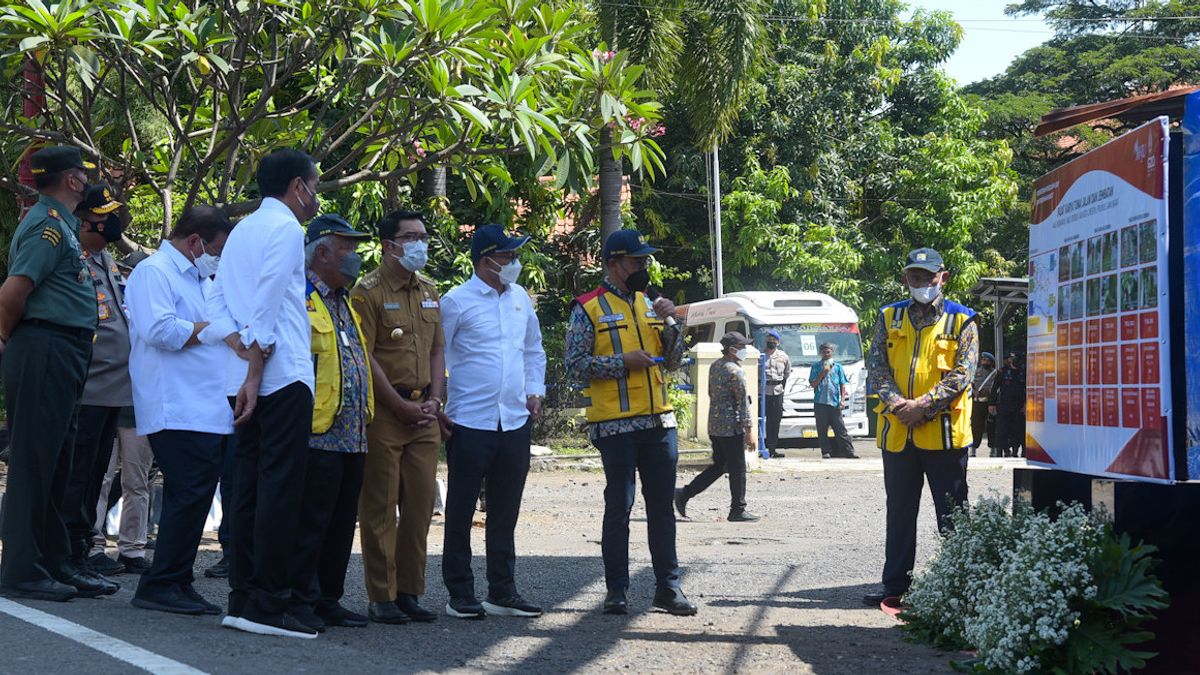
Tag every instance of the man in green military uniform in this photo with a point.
(402, 331)
(47, 320)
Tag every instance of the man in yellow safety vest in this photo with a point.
(921, 363)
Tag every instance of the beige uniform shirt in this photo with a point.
(401, 324)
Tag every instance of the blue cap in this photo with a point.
(987, 355)
(627, 242)
(490, 239)
(926, 259)
(775, 334)
(331, 223)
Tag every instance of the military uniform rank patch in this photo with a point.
(52, 235)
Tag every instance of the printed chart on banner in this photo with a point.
(1098, 381)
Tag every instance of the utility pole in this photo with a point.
(718, 269)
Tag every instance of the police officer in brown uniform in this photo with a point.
(402, 330)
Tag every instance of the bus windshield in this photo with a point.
(801, 341)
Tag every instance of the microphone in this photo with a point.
(653, 294)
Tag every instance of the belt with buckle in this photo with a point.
(412, 394)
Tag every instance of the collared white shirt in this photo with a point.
(494, 355)
(175, 387)
(259, 293)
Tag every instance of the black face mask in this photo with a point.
(112, 229)
(638, 281)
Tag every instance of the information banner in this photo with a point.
(1098, 364)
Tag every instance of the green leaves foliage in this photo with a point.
(186, 97)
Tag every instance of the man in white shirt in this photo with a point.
(259, 300)
(497, 381)
(176, 364)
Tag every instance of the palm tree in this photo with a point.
(702, 52)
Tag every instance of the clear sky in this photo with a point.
(990, 39)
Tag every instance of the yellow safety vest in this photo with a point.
(327, 364)
(919, 359)
(620, 327)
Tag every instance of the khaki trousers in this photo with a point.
(401, 471)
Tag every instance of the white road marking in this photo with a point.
(118, 649)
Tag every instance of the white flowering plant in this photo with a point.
(1034, 592)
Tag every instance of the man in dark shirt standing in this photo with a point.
(1007, 403)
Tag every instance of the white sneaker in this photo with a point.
(285, 626)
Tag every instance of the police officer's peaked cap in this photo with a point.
(99, 200)
(925, 259)
(627, 242)
(331, 223)
(56, 159)
(492, 239)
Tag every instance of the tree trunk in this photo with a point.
(610, 186)
(433, 183)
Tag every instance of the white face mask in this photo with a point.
(925, 295)
(206, 263)
(742, 353)
(416, 255)
(508, 273)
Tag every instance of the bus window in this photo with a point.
(739, 326)
(800, 341)
(697, 334)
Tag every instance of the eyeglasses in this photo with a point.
(410, 237)
(503, 258)
(639, 262)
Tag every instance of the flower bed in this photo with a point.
(1031, 593)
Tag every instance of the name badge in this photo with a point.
(391, 305)
(429, 304)
(610, 318)
(345, 338)
(651, 315)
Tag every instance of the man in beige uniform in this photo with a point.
(401, 325)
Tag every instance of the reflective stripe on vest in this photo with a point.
(327, 365)
(619, 327)
(919, 359)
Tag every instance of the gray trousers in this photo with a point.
(133, 455)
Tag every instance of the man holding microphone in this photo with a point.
(830, 396)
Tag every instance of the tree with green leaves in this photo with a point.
(182, 99)
(701, 53)
(852, 148)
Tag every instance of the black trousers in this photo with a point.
(272, 451)
(904, 475)
(44, 371)
(89, 462)
(325, 538)
(653, 454)
(228, 465)
(774, 406)
(502, 458)
(981, 423)
(191, 466)
(728, 457)
(830, 417)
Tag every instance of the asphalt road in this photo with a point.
(782, 594)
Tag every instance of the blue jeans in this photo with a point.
(653, 454)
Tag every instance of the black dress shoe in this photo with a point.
(220, 570)
(674, 602)
(308, 617)
(189, 592)
(408, 604)
(102, 564)
(615, 603)
(90, 585)
(386, 612)
(681, 501)
(742, 517)
(873, 599)
(135, 565)
(337, 615)
(42, 589)
(170, 600)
